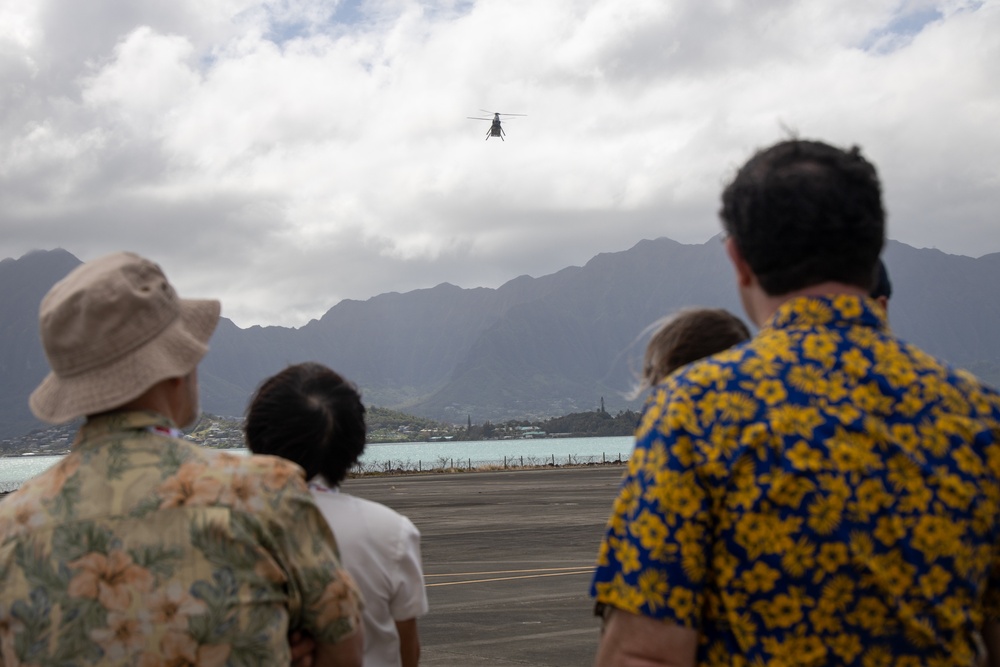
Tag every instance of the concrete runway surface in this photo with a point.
(507, 560)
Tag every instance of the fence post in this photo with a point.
(504, 462)
(553, 460)
(522, 461)
(470, 464)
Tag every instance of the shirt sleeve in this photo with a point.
(653, 558)
(409, 596)
(324, 600)
(991, 597)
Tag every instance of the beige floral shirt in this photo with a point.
(140, 548)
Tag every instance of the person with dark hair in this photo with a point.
(882, 291)
(825, 222)
(823, 494)
(139, 547)
(312, 416)
(687, 336)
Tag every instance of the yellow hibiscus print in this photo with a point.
(760, 578)
(681, 602)
(820, 347)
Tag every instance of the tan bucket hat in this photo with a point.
(112, 329)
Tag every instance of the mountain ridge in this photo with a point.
(534, 347)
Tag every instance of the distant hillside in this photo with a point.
(533, 348)
(596, 423)
(384, 426)
(23, 283)
(563, 350)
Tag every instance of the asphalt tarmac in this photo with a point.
(507, 561)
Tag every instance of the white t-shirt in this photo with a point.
(381, 549)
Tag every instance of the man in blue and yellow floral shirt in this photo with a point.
(140, 548)
(824, 494)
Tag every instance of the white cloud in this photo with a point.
(287, 154)
(146, 77)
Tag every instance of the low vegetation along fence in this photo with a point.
(449, 464)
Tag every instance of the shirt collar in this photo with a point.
(117, 422)
(321, 484)
(840, 310)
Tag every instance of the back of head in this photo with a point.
(803, 213)
(883, 287)
(111, 329)
(688, 336)
(310, 415)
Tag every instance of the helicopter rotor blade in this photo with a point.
(477, 118)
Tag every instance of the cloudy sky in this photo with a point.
(283, 155)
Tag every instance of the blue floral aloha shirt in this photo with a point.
(143, 549)
(821, 494)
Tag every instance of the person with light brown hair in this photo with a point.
(686, 336)
(139, 547)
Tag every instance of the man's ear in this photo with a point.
(744, 276)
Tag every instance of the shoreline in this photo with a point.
(450, 471)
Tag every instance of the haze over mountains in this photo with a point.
(534, 347)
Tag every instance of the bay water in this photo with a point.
(414, 456)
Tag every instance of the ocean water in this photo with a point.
(417, 455)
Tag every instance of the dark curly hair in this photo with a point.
(803, 213)
(310, 415)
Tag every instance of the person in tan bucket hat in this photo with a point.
(140, 547)
(114, 328)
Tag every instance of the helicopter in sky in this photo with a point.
(495, 129)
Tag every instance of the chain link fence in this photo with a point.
(449, 465)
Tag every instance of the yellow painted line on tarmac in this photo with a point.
(525, 576)
(537, 569)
